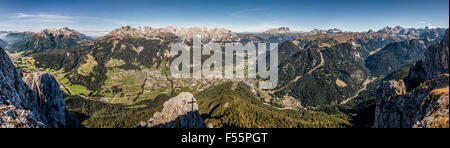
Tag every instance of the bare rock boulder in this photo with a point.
(179, 112)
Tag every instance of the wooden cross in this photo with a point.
(192, 102)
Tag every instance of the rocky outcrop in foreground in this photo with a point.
(179, 112)
(32, 102)
(427, 104)
(424, 107)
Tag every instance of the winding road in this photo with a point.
(300, 76)
(367, 82)
(322, 63)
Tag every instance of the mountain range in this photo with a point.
(328, 78)
(48, 39)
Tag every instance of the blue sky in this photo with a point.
(237, 15)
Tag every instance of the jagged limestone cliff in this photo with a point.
(35, 101)
(426, 105)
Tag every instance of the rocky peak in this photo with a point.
(62, 32)
(281, 30)
(334, 31)
(128, 31)
(436, 58)
(329, 31)
(179, 112)
(49, 99)
(206, 33)
(392, 88)
(49, 39)
(317, 31)
(390, 30)
(426, 105)
(424, 33)
(434, 62)
(35, 101)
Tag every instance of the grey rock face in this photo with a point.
(416, 109)
(427, 105)
(14, 94)
(32, 102)
(50, 101)
(178, 112)
(436, 59)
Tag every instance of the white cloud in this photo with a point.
(38, 21)
(44, 18)
(43, 15)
